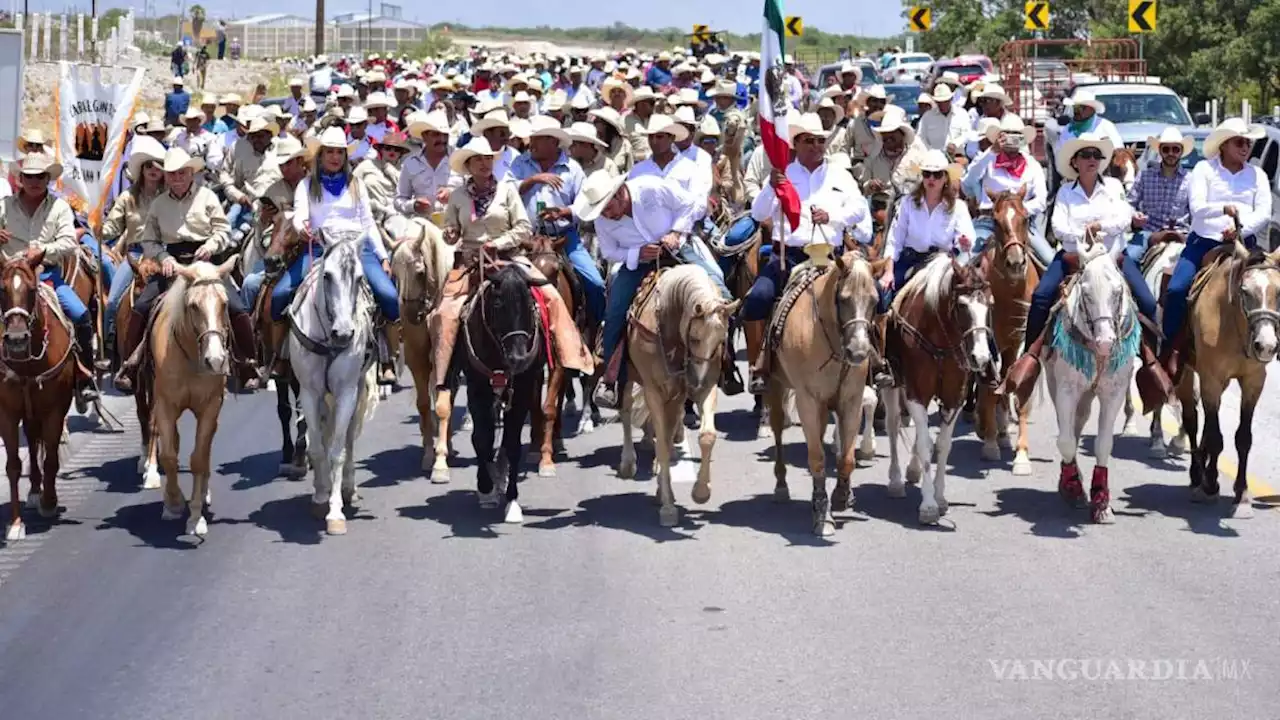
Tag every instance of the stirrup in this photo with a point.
(759, 383)
(606, 396)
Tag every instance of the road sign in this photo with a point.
(921, 19)
(1037, 15)
(1142, 16)
(701, 34)
(795, 26)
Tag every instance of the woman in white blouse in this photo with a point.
(332, 200)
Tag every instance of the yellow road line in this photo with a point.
(1257, 486)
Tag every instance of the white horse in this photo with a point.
(331, 329)
(1093, 340)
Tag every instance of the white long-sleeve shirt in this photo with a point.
(703, 176)
(208, 146)
(937, 131)
(828, 188)
(1074, 211)
(1213, 187)
(983, 176)
(419, 179)
(658, 207)
(349, 212)
(920, 229)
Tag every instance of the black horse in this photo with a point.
(505, 348)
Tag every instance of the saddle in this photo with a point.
(802, 278)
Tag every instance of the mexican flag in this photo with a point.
(773, 105)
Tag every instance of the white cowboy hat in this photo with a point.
(584, 132)
(596, 192)
(849, 67)
(827, 103)
(925, 99)
(231, 99)
(332, 137)
(995, 92)
(209, 100)
(806, 124)
(517, 79)
(477, 146)
(668, 125)
(493, 119)
(709, 127)
(835, 92)
(420, 122)
(581, 101)
(346, 91)
(988, 129)
(687, 97)
(40, 163)
(942, 93)
(377, 99)
(1231, 127)
(615, 84)
(297, 82)
(543, 126)
(724, 88)
(684, 115)
(308, 105)
(1075, 145)
(1172, 136)
(894, 119)
(1011, 123)
(934, 161)
(139, 120)
(555, 101)
(176, 159)
(520, 128)
(1081, 97)
(178, 81)
(259, 124)
(144, 149)
(521, 97)
(193, 113)
(643, 93)
(610, 116)
(357, 115)
(285, 149)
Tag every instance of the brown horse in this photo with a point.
(38, 362)
(1013, 277)
(142, 271)
(1233, 320)
(1123, 167)
(938, 333)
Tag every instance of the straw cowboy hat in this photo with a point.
(643, 93)
(1075, 145)
(988, 129)
(434, 121)
(894, 119)
(144, 149)
(178, 81)
(934, 161)
(581, 101)
(377, 99)
(724, 88)
(332, 137)
(615, 84)
(596, 192)
(521, 97)
(827, 103)
(193, 113)
(555, 101)
(611, 116)
(284, 149)
(584, 132)
(687, 97)
(659, 124)
(231, 99)
(1230, 128)
(493, 119)
(520, 128)
(260, 124)
(477, 146)
(995, 92)
(357, 115)
(709, 128)
(684, 115)
(31, 137)
(297, 82)
(517, 79)
(397, 140)
(1172, 136)
(543, 126)
(139, 120)
(848, 67)
(154, 125)
(806, 124)
(942, 93)
(925, 99)
(41, 163)
(1081, 97)
(176, 159)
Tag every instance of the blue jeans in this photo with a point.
(902, 266)
(236, 215)
(384, 290)
(1184, 274)
(108, 268)
(771, 280)
(589, 273)
(67, 298)
(252, 284)
(119, 286)
(1138, 287)
(1043, 296)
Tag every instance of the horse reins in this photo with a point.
(11, 375)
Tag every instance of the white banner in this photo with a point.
(90, 126)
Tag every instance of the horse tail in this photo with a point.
(368, 401)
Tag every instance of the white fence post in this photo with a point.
(48, 36)
(62, 37)
(35, 36)
(80, 36)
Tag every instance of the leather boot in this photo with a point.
(132, 357)
(1022, 377)
(760, 371)
(280, 354)
(243, 350)
(86, 389)
(1170, 357)
(1154, 386)
(882, 372)
(606, 392)
(730, 379)
(391, 343)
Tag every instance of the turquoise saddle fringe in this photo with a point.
(1077, 355)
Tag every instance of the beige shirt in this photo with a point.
(602, 163)
(505, 223)
(246, 174)
(380, 180)
(126, 219)
(635, 135)
(198, 218)
(861, 141)
(901, 175)
(620, 155)
(756, 174)
(52, 228)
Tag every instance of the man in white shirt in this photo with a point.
(321, 77)
(1230, 202)
(1008, 167)
(199, 142)
(830, 202)
(425, 177)
(944, 126)
(1086, 116)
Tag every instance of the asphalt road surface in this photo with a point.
(1015, 607)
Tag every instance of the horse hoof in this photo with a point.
(1132, 428)
(586, 426)
(913, 476)
(17, 532)
(991, 451)
(1198, 495)
(1004, 441)
(350, 498)
(824, 528)
(48, 513)
(627, 468)
(1022, 467)
(1179, 445)
(782, 494)
(319, 511)
(514, 515)
(897, 490)
(668, 516)
(199, 528)
(840, 497)
(1103, 515)
(33, 500)
(1242, 510)
(489, 499)
(867, 456)
(336, 526)
(151, 480)
(547, 471)
(1158, 450)
(440, 475)
(943, 507)
(701, 493)
(169, 514)
(468, 424)
(930, 515)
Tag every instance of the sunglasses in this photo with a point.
(1089, 155)
(934, 174)
(813, 140)
(1171, 149)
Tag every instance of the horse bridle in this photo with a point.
(498, 379)
(1259, 315)
(27, 314)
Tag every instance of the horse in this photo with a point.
(330, 340)
(189, 363)
(675, 337)
(507, 345)
(148, 465)
(1092, 341)
(293, 426)
(824, 340)
(38, 362)
(1123, 167)
(939, 333)
(745, 260)
(1233, 320)
(1157, 265)
(1013, 277)
(420, 262)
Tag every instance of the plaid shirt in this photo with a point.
(1164, 200)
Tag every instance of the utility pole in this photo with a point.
(319, 27)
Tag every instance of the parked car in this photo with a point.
(907, 67)
(968, 67)
(1266, 155)
(825, 75)
(905, 96)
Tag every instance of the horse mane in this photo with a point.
(174, 307)
(420, 255)
(680, 289)
(934, 280)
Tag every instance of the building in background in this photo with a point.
(275, 35)
(361, 33)
(284, 35)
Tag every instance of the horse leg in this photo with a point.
(1109, 405)
(166, 450)
(1070, 488)
(522, 405)
(31, 428)
(1191, 426)
(1211, 443)
(52, 434)
(206, 428)
(148, 460)
(988, 428)
(867, 450)
(341, 420)
(13, 468)
(627, 464)
(301, 458)
(480, 404)
(321, 480)
(550, 420)
(929, 512)
(1022, 456)
(848, 416)
(663, 421)
(893, 423)
(706, 444)
(777, 423)
(813, 421)
(1002, 423)
(284, 411)
(444, 411)
(1250, 391)
(1130, 415)
(946, 431)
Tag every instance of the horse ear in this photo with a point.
(730, 309)
(228, 265)
(184, 271)
(700, 310)
(840, 264)
(1273, 257)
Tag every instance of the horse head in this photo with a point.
(1100, 300)
(704, 319)
(1257, 277)
(1013, 232)
(418, 265)
(18, 302)
(340, 276)
(204, 310)
(511, 319)
(856, 298)
(971, 313)
(544, 252)
(1123, 166)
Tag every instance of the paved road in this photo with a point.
(430, 608)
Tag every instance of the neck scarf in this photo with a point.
(1012, 164)
(1077, 128)
(480, 199)
(333, 183)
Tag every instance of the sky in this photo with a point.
(873, 18)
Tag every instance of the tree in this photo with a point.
(197, 22)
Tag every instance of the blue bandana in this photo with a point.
(333, 183)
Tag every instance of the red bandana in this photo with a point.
(1012, 164)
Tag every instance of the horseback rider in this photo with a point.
(830, 203)
(1226, 193)
(1086, 117)
(379, 172)
(893, 167)
(249, 168)
(425, 177)
(1161, 194)
(332, 200)
(1008, 167)
(183, 225)
(123, 227)
(589, 151)
(612, 132)
(274, 208)
(487, 222)
(200, 142)
(1087, 203)
(945, 126)
(40, 227)
(927, 221)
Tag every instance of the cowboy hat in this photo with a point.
(834, 92)
(709, 128)
(925, 99)
(1172, 136)
(684, 115)
(942, 93)
(934, 161)
(827, 103)
(332, 137)
(260, 124)
(346, 91)
(849, 67)
(231, 99)
(285, 149)
(357, 115)
(668, 125)
(297, 82)
(615, 84)
(596, 192)
(397, 140)
(988, 129)
(521, 97)
(687, 97)
(377, 99)
(477, 146)
(493, 119)
(611, 116)
(806, 124)
(995, 92)
(176, 159)
(435, 121)
(178, 81)
(1075, 145)
(642, 94)
(584, 132)
(1081, 97)
(874, 92)
(144, 149)
(520, 128)
(41, 163)
(31, 137)
(517, 79)
(895, 119)
(155, 125)
(543, 126)
(555, 101)
(308, 106)
(139, 119)
(581, 101)
(724, 88)
(1230, 128)
(193, 113)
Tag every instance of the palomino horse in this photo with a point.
(675, 338)
(1006, 264)
(507, 344)
(938, 334)
(1233, 319)
(1093, 339)
(38, 362)
(330, 335)
(420, 262)
(190, 360)
(745, 260)
(824, 342)
(1157, 264)
(148, 466)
